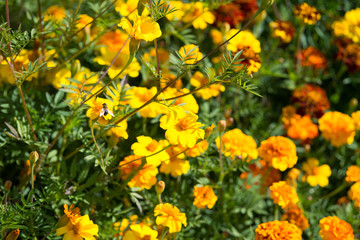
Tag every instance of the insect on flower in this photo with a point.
(105, 111)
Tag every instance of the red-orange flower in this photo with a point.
(333, 228)
(312, 57)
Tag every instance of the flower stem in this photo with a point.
(26, 111)
(336, 191)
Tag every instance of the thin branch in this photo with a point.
(42, 43)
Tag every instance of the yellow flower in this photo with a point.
(199, 80)
(333, 228)
(21, 61)
(97, 108)
(119, 130)
(302, 128)
(114, 41)
(121, 226)
(353, 174)
(198, 15)
(179, 13)
(177, 165)
(282, 30)
(292, 177)
(349, 27)
(106, 57)
(308, 14)
(146, 146)
(237, 144)
(54, 13)
(279, 152)
(190, 53)
(198, 149)
(204, 196)
(188, 103)
(140, 232)
(170, 216)
(356, 117)
(337, 127)
(277, 230)
(81, 227)
(181, 127)
(217, 36)
(315, 174)
(83, 21)
(144, 28)
(125, 8)
(354, 194)
(145, 178)
(295, 216)
(283, 194)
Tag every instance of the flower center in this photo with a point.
(152, 146)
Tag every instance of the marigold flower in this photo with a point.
(115, 40)
(277, 230)
(267, 174)
(279, 152)
(353, 174)
(139, 232)
(204, 197)
(235, 143)
(308, 14)
(181, 127)
(216, 36)
(96, 109)
(310, 99)
(288, 113)
(333, 228)
(292, 177)
(337, 127)
(54, 13)
(119, 131)
(356, 117)
(179, 13)
(296, 216)
(315, 174)
(170, 216)
(354, 194)
(198, 15)
(247, 42)
(283, 30)
(190, 53)
(188, 102)
(84, 20)
(144, 28)
(146, 146)
(199, 80)
(312, 57)
(348, 27)
(283, 194)
(145, 178)
(80, 228)
(302, 128)
(349, 53)
(177, 165)
(198, 149)
(126, 7)
(106, 58)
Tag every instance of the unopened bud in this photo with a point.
(221, 126)
(7, 185)
(160, 187)
(13, 235)
(229, 121)
(33, 157)
(353, 102)
(209, 130)
(75, 67)
(266, 3)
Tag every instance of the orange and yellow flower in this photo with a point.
(354, 194)
(277, 230)
(306, 13)
(283, 194)
(302, 128)
(198, 149)
(312, 57)
(190, 53)
(143, 28)
(95, 109)
(333, 228)
(114, 41)
(204, 197)
(140, 232)
(349, 26)
(296, 216)
(170, 216)
(197, 14)
(282, 30)
(212, 90)
(353, 174)
(177, 165)
(279, 152)
(337, 127)
(356, 117)
(315, 174)
(54, 13)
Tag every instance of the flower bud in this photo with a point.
(229, 121)
(7, 185)
(75, 67)
(13, 235)
(353, 102)
(160, 187)
(33, 157)
(266, 3)
(209, 130)
(221, 126)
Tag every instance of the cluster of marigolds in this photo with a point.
(303, 120)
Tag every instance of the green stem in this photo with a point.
(336, 191)
(164, 233)
(97, 146)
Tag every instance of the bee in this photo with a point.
(105, 111)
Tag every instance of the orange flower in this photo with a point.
(310, 99)
(177, 165)
(277, 230)
(292, 177)
(315, 174)
(337, 127)
(115, 40)
(279, 152)
(145, 178)
(333, 228)
(288, 113)
(282, 30)
(169, 216)
(353, 174)
(235, 143)
(198, 149)
(307, 14)
(204, 196)
(302, 128)
(283, 194)
(295, 216)
(349, 53)
(356, 117)
(213, 90)
(311, 57)
(354, 194)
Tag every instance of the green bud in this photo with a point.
(75, 67)
(33, 157)
(7, 185)
(266, 3)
